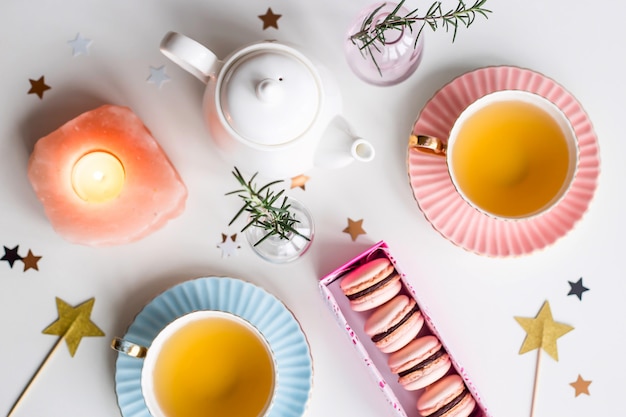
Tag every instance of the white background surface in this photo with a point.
(472, 298)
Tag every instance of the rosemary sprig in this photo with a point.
(264, 211)
(373, 35)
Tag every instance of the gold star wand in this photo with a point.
(541, 333)
(73, 324)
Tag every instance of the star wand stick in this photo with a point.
(32, 379)
(534, 397)
(541, 333)
(72, 325)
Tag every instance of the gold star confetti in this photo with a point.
(299, 181)
(30, 261)
(580, 386)
(270, 19)
(38, 87)
(355, 228)
(74, 323)
(542, 332)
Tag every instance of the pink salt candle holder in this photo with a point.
(104, 180)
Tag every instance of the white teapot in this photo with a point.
(269, 109)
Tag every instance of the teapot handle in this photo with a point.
(190, 55)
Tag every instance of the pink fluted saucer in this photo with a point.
(456, 220)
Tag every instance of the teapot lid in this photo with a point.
(270, 96)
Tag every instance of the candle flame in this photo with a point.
(98, 177)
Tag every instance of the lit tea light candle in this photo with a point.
(104, 180)
(98, 177)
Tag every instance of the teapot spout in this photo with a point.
(362, 150)
(339, 146)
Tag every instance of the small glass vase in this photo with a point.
(389, 63)
(275, 249)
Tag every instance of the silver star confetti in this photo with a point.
(80, 45)
(228, 246)
(158, 76)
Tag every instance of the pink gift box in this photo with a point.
(402, 402)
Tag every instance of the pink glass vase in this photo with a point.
(385, 63)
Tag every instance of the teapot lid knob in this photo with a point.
(270, 91)
(270, 94)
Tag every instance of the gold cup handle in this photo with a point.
(428, 144)
(129, 348)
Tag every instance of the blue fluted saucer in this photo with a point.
(284, 334)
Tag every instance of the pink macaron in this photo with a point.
(371, 284)
(420, 363)
(448, 397)
(394, 324)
